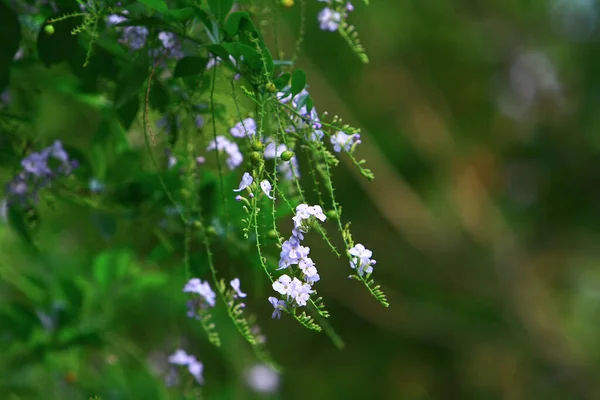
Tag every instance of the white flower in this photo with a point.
(329, 20)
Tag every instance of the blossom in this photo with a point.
(199, 121)
(38, 172)
(262, 379)
(361, 259)
(235, 284)
(283, 285)
(171, 45)
(195, 367)
(266, 188)
(245, 182)
(300, 292)
(278, 305)
(246, 128)
(180, 357)
(195, 285)
(342, 140)
(329, 19)
(234, 156)
(95, 185)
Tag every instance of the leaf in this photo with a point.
(132, 77)
(158, 5)
(220, 8)
(282, 81)
(159, 96)
(10, 32)
(16, 220)
(250, 55)
(232, 25)
(298, 81)
(182, 14)
(128, 111)
(191, 65)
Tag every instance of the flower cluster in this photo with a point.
(246, 128)
(246, 183)
(331, 17)
(341, 140)
(295, 291)
(39, 171)
(195, 367)
(234, 156)
(133, 37)
(302, 119)
(361, 259)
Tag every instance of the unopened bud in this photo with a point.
(287, 155)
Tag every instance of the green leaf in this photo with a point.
(16, 220)
(10, 32)
(232, 25)
(251, 56)
(282, 81)
(182, 14)
(220, 8)
(159, 96)
(298, 81)
(191, 65)
(158, 5)
(133, 76)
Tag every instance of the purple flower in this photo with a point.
(195, 285)
(195, 367)
(245, 182)
(342, 140)
(234, 156)
(246, 128)
(266, 188)
(361, 259)
(329, 20)
(235, 284)
(278, 305)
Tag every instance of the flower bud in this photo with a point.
(272, 234)
(255, 156)
(271, 87)
(49, 29)
(287, 3)
(331, 214)
(211, 231)
(257, 145)
(287, 155)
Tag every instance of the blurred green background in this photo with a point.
(479, 121)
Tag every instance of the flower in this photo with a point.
(246, 128)
(278, 305)
(195, 285)
(235, 284)
(361, 259)
(221, 143)
(262, 379)
(171, 45)
(301, 292)
(180, 357)
(342, 140)
(329, 20)
(283, 285)
(245, 182)
(266, 188)
(195, 367)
